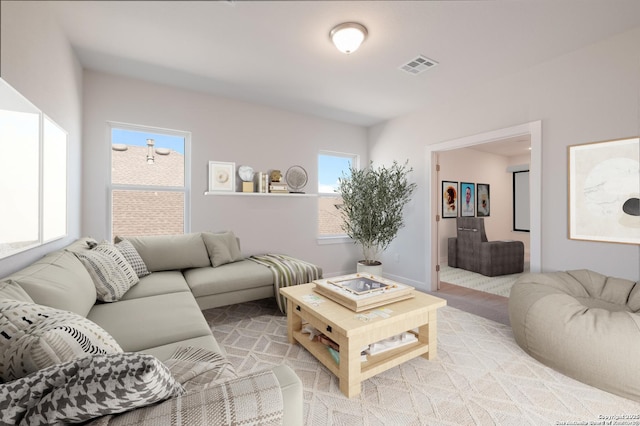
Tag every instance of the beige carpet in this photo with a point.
(500, 285)
(481, 377)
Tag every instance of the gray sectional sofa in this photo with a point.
(162, 311)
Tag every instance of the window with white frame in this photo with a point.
(332, 166)
(33, 175)
(149, 181)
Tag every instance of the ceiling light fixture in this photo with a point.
(348, 36)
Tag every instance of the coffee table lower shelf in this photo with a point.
(375, 364)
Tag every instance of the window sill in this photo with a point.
(258, 194)
(339, 239)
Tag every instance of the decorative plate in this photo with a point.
(296, 178)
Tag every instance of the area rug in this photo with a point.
(500, 285)
(480, 377)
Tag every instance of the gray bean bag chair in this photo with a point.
(582, 324)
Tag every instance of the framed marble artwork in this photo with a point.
(604, 191)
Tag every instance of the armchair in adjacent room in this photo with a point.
(472, 251)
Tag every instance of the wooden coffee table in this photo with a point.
(352, 332)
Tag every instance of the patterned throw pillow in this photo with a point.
(131, 254)
(33, 337)
(112, 275)
(87, 388)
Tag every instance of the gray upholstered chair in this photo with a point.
(472, 251)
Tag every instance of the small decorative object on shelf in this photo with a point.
(246, 174)
(296, 178)
(275, 175)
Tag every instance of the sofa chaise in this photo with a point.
(156, 318)
(582, 324)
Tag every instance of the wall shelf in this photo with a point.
(258, 194)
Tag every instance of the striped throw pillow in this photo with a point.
(33, 337)
(112, 275)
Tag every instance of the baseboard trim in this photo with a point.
(404, 280)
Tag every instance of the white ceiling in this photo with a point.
(509, 147)
(278, 53)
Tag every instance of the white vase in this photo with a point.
(369, 269)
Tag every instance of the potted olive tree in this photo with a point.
(373, 201)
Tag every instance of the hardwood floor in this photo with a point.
(486, 305)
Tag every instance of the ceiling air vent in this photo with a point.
(418, 65)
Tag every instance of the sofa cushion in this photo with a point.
(162, 282)
(129, 252)
(87, 388)
(147, 322)
(170, 252)
(11, 290)
(50, 280)
(222, 247)
(112, 275)
(33, 337)
(241, 275)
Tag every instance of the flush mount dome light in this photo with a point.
(348, 36)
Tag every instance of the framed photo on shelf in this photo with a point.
(449, 199)
(222, 176)
(604, 204)
(483, 208)
(467, 199)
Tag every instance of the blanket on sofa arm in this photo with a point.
(255, 399)
(288, 271)
(215, 396)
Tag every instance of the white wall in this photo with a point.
(469, 165)
(222, 130)
(588, 95)
(37, 60)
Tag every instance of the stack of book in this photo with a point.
(263, 181)
(278, 188)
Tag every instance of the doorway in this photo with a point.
(534, 131)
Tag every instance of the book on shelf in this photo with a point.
(278, 189)
(263, 182)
